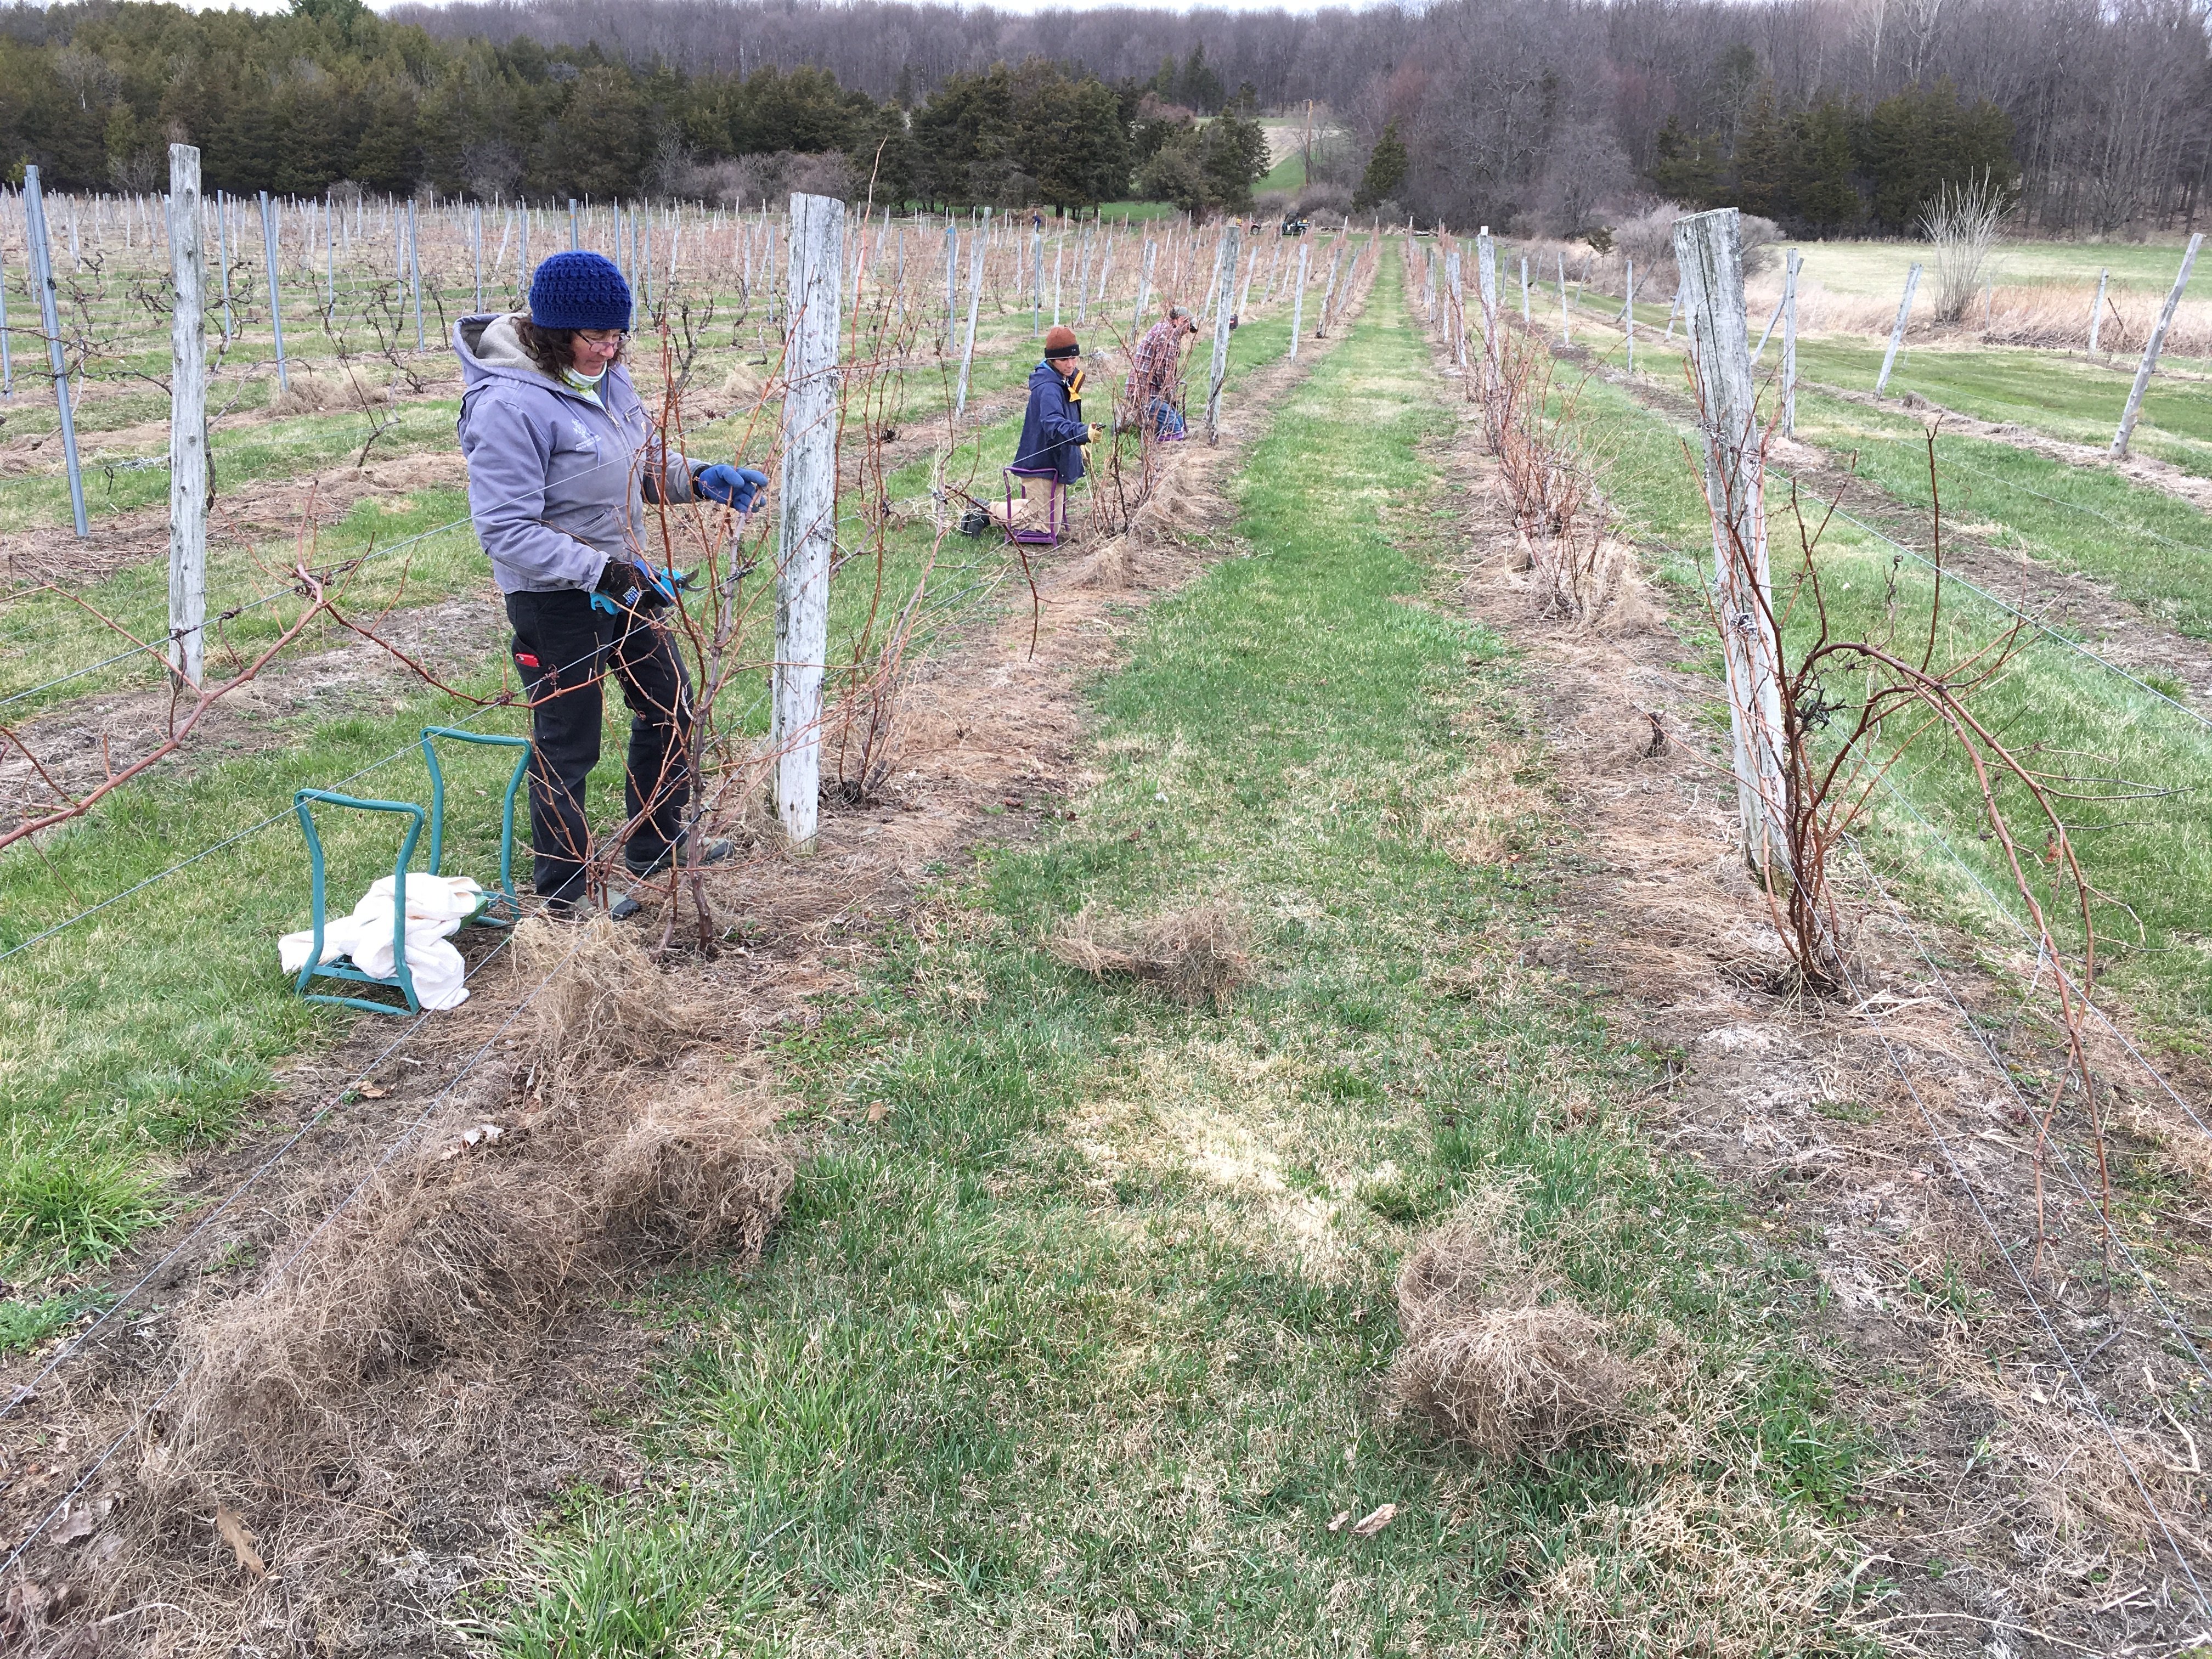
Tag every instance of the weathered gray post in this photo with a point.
(1766, 334)
(1036, 281)
(1628, 316)
(806, 529)
(951, 281)
(1566, 323)
(2097, 309)
(1485, 282)
(414, 271)
(1328, 293)
(2152, 347)
(572, 225)
(188, 451)
(1708, 247)
(7, 355)
(476, 244)
(1225, 283)
(42, 278)
(1525, 321)
(222, 257)
(1897, 333)
(1298, 295)
(1789, 345)
(1059, 255)
(978, 250)
(1083, 273)
(1144, 288)
(1456, 311)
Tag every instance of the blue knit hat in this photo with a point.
(577, 290)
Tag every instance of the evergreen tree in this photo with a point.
(1387, 166)
(1686, 168)
(1822, 195)
(1923, 138)
(1762, 183)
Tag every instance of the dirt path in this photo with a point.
(1882, 1142)
(987, 741)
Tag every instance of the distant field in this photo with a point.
(1876, 269)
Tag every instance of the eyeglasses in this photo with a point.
(602, 337)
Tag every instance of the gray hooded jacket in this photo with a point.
(554, 480)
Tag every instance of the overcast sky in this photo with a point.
(998, 5)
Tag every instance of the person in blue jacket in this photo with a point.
(562, 459)
(1054, 431)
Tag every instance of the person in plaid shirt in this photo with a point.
(1156, 374)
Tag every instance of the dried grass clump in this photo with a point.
(1497, 1358)
(605, 1003)
(313, 393)
(745, 383)
(693, 1175)
(1196, 956)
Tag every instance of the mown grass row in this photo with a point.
(1074, 1341)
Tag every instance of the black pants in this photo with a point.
(563, 648)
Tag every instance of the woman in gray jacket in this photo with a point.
(562, 459)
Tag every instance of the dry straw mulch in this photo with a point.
(1197, 956)
(392, 1346)
(1497, 1357)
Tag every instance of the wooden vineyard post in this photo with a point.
(1567, 322)
(1789, 345)
(1225, 285)
(1708, 248)
(1144, 288)
(1298, 296)
(42, 279)
(806, 529)
(1897, 333)
(1486, 284)
(2152, 347)
(1329, 292)
(2097, 309)
(188, 451)
(951, 282)
(7, 355)
(1628, 315)
(270, 250)
(1455, 312)
(1037, 281)
(476, 245)
(1524, 291)
(414, 271)
(978, 250)
(1083, 273)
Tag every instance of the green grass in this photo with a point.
(2061, 396)
(1078, 1348)
(155, 1025)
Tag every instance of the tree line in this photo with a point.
(330, 95)
(1830, 115)
(1524, 109)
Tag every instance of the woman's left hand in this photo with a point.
(732, 486)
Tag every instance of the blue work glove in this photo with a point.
(732, 486)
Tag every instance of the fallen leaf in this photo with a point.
(877, 1112)
(1374, 1523)
(242, 1541)
(1342, 1515)
(482, 1134)
(370, 1091)
(80, 1520)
